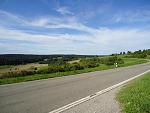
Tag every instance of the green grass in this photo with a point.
(132, 61)
(135, 96)
(148, 57)
(127, 62)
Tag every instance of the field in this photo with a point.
(127, 62)
(8, 68)
(135, 96)
(73, 61)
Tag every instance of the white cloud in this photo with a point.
(69, 22)
(97, 41)
(105, 41)
(138, 15)
(64, 10)
(7, 18)
(40, 22)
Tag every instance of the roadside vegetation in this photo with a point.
(148, 57)
(17, 68)
(60, 65)
(137, 54)
(132, 61)
(135, 96)
(69, 65)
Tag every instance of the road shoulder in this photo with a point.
(105, 103)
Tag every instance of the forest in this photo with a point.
(16, 59)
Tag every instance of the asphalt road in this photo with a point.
(43, 96)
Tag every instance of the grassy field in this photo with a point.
(135, 97)
(7, 68)
(132, 61)
(127, 62)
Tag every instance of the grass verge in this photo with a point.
(127, 62)
(132, 61)
(52, 75)
(135, 97)
(148, 57)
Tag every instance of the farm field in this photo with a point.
(7, 68)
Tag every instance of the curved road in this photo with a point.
(43, 96)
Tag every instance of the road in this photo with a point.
(43, 96)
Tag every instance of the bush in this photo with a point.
(139, 55)
(89, 63)
(111, 60)
(65, 67)
(120, 61)
(76, 66)
(61, 66)
(17, 74)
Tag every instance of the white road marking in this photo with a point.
(61, 109)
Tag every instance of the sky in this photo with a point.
(92, 27)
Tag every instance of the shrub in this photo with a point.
(111, 60)
(139, 55)
(17, 74)
(89, 63)
(76, 66)
(120, 61)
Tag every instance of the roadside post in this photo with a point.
(116, 64)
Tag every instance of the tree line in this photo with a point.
(137, 54)
(16, 59)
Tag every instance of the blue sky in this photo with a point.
(74, 26)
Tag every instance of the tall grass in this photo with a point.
(135, 97)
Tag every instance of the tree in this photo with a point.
(124, 52)
(129, 52)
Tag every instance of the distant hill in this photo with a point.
(15, 59)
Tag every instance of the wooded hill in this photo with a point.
(15, 59)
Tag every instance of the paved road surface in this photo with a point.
(44, 96)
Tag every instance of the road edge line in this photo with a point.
(68, 106)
